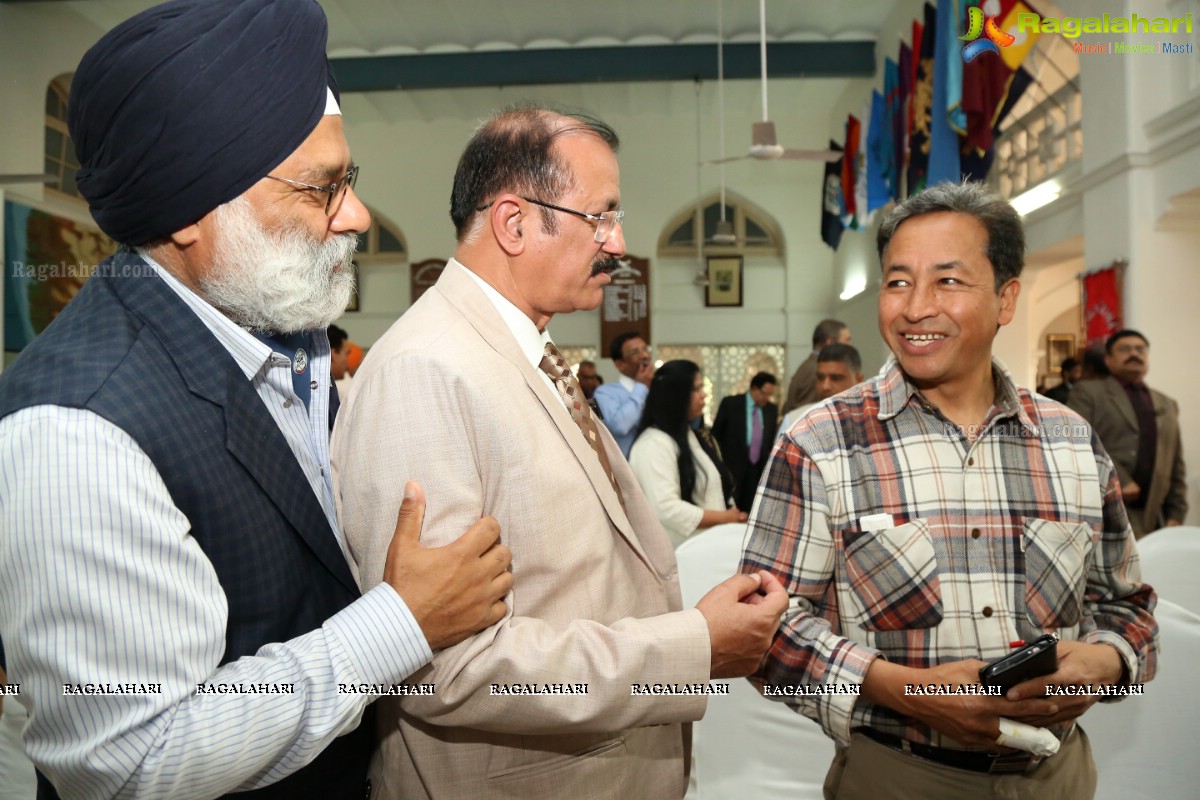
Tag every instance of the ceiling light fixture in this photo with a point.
(1040, 195)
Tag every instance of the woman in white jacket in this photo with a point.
(683, 477)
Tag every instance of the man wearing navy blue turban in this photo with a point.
(175, 599)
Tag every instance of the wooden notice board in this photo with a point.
(626, 305)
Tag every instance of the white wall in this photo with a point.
(408, 163)
(1142, 147)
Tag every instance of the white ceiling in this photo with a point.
(383, 27)
(396, 27)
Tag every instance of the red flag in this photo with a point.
(1102, 305)
(849, 167)
(918, 31)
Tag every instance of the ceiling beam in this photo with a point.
(620, 64)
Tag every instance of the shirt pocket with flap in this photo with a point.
(892, 576)
(1057, 558)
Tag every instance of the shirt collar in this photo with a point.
(249, 353)
(628, 382)
(896, 392)
(531, 341)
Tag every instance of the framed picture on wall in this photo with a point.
(724, 281)
(1059, 347)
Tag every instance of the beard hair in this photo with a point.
(278, 281)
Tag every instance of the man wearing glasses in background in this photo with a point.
(175, 599)
(468, 395)
(622, 402)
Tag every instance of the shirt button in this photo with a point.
(974, 533)
(971, 461)
(987, 611)
(287, 403)
(312, 385)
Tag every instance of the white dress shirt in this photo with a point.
(101, 582)
(531, 341)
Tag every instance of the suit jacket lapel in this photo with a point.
(1120, 400)
(462, 292)
(251, 435)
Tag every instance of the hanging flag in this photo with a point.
(849, 159)
(976, 163)
(879, 153)
(957, 14)
(943, 139)
(1101, 304)
(988, 76)
(893, 133)
(918, 154)
(831, 201)
(1023, 41)
(903, 118)
(862, 214)
(918, 33)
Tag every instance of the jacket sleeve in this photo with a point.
(1175, 507)
(396, 429)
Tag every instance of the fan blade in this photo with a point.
(721, 161)
(811, 155)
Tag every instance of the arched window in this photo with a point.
(61, 160)
(383, 241)
(754, 231)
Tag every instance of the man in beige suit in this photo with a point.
(585, 688)
(1139, 427)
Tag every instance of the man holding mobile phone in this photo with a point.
(930, 519)
(622, 402)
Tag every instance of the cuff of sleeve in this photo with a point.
(837, 710)
(1128, 656)
(684, 635)
(380, 636)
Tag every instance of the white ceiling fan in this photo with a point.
(724, 234)
(764, 144)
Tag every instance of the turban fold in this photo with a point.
(190, 103)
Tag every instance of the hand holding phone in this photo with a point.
(1039, 657)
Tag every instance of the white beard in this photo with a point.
(280, 281)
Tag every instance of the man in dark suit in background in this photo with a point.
(745, 429)
(1139, 427)
(1072, 371)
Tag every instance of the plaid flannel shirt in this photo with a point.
(982, 542)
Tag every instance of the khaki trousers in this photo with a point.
(868, 770)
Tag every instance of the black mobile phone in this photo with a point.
(1039, 657)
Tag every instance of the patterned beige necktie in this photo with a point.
(554, 365)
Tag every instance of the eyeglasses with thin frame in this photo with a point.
(606, 221)
(335, 191)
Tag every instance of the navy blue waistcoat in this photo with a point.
(128, 349)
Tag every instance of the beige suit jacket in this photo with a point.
(1106, 406)
(447, 398)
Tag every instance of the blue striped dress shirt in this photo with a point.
(101, 583)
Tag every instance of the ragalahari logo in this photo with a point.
(977, 26)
